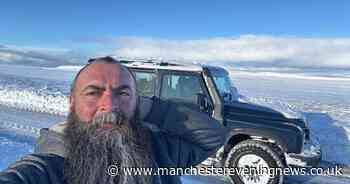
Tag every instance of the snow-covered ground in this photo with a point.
(323, 101)
(36, 97)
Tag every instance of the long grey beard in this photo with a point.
(91, 150)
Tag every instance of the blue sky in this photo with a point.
(103, 27)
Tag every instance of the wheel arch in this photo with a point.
(235, 138)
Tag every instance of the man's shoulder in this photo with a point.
(36, 168)
(40, 161)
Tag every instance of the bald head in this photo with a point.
(107, 60)
(103, 86)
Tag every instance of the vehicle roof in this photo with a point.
(166, 65)
(162, 65)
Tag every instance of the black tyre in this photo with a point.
(255, 154)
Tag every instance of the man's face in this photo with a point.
(105, 98)
(101, 88)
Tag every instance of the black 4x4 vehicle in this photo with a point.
(260, 137)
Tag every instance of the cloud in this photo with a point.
(245, 50)
(38, 56)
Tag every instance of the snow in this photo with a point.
(324, 104)
(65, 68)
(306, 76)
(12, 149)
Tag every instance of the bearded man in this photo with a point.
(109, 124)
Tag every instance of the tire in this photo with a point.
(254, 154)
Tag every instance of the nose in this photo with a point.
(108, 103)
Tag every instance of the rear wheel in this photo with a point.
(258, 158)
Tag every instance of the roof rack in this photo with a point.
(155, 61)
(159, 63)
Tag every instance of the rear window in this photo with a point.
(183, 87)
(145, 83)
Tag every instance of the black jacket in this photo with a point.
(181, 137)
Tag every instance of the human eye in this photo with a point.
(124, 93)
(92, 93)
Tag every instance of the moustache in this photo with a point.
(113, 118)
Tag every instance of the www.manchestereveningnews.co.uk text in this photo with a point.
(114, 170)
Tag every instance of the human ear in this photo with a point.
(71, 103)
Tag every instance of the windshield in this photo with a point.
(226, 89)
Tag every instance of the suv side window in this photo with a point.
(145, 83)
(182, 87)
